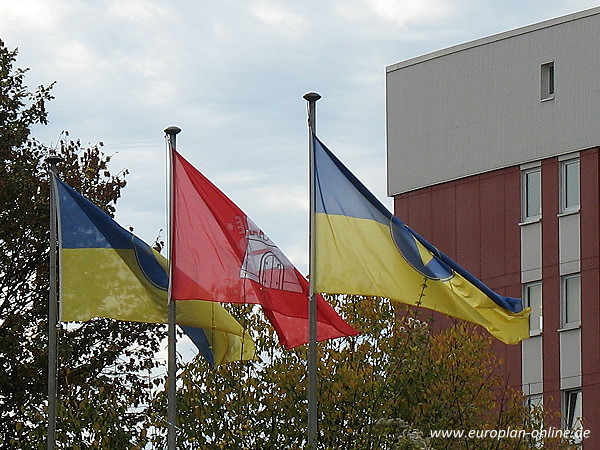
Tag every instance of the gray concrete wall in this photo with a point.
(476, 107)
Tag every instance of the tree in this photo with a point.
(103, 392)
(388, 388)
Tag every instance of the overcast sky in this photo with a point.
(232, 74)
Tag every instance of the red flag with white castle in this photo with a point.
(219, 254)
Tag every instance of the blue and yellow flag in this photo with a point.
(106, 271)
(362, 248)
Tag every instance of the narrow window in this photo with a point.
(571, 300)
(532, 294)
(569, 181)
(532, 194)
(573, 411)
(547, 81)
(535, 405)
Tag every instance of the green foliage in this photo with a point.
(385, 389)
(102, 392)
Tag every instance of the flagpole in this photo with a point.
(313, 442)
(52, 161)
(171, 132)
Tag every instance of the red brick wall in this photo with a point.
(475, 222)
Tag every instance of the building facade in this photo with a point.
(493, 156)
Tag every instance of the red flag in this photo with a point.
(219, 254)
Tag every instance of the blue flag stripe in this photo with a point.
(84, 225)
(198, 337)
(334, 174)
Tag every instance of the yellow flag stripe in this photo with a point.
(359, 256)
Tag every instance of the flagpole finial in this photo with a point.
(311, 97)
(172, 131)
(53, 160)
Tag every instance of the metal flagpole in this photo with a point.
(312, 98)
(52, 161)
(171, 132)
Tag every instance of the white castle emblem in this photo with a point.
(266, 264)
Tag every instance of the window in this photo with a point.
(571, 300)
(532, 295)
(534, 401)
(569, 185)
(535, 405)
(573, 411)
(531, 182)
(547, 81)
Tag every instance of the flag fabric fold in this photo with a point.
(362, 248)
(106, 271)
(220, 255)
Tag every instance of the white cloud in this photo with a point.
(31, 15)
(137, 10)
(405, 12)
(276, 16)
(76, 58)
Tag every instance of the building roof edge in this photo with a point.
(494, 38)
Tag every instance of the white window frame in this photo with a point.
(566, 182)
(566, 302)
(536, 305)
(526, 215)
(547, 81)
